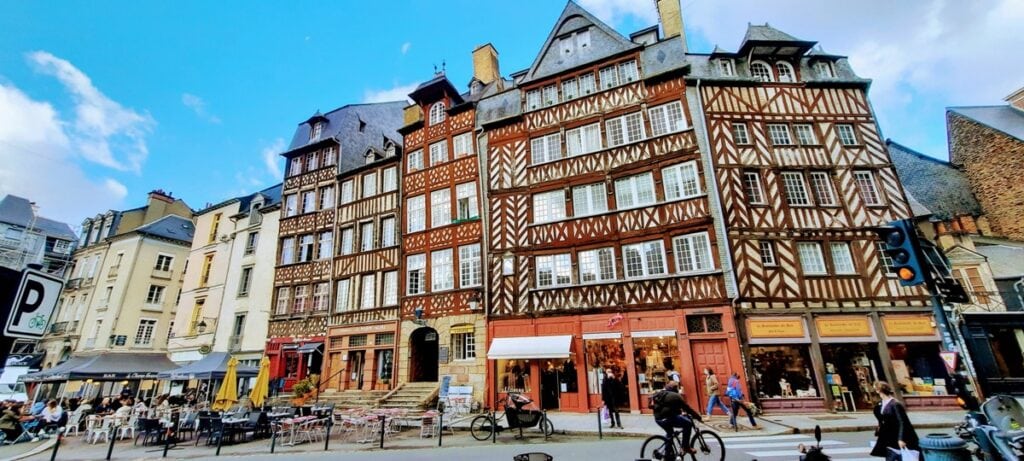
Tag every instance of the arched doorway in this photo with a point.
(423, 355)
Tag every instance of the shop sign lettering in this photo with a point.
(843, 327)
(909, 326)
(776, 328)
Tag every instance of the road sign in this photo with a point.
(950, 359)
(33, 305)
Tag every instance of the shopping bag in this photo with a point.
(892, 454)
(907, 454)
(605, 416)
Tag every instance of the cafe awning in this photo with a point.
(530, 347)
(106, 367)
(212, 366)
(308, 348)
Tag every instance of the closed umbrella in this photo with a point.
(262, 387)
(228, 393)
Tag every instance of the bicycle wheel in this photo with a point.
(709, 446)
(654, 447)
(482, 427)
(546, 427)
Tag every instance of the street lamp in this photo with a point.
(474, 300)
(201, 328)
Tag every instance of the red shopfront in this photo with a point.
(294, 358)
(560, 361)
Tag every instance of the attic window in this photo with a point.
(823, 69)
(583, 39)
(726, 67)
(362, 126)
(314, 133)
(786, 73)
(389, 151)
(437, 113)
(578, 41)
(760, 71)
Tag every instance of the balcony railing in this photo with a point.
(74, 283)
(991, 301)
(365, 315)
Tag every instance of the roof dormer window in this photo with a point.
(437, 113)
(761, 71)
(786, 72)
(389, 150)
(316, 130)
(727, 67)
(823, 69)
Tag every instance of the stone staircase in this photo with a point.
(352, 398)
(411, 396)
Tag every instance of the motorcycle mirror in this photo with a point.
(817, 434)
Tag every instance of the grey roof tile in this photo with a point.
(1006, 259)
(1002, 118)
(18, 211)
(382, 120)
(171, 227)
(937, 185)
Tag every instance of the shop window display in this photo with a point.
(783, 372)
(850, 372)
(918, 368)
(655, 359)
(514, 375)
(605, 354)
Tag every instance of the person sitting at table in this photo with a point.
(125, 410)
(104, 407)
(10, 421)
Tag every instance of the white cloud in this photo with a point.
(272, 159)
(103, 131)
(395, 93)
(614, 11)
(198, 105)
(405, 47)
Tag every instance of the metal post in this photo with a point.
(382, 420)
(60, 436)
(440, 427)
(494, 427)
(327, 433)
(273, 439)
(600, 433)
(167, 439)
(543, 422)
(220, 437)
(112, 436)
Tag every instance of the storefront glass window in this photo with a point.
(557, 376)
(384, 365)
(850, 372)
(604, 354)
(919, 369)
(655, 358)
(291, 365)
(783, 372)
(514, 375)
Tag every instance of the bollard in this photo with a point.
(60, 436)
(382, 431)
(600, 434)
(220, 438)
(112, 436)
(167, 441)
(494, 428)
(273, 439)
(543, 422)
(327, 433)
(440, 427)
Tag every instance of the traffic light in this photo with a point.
(900, 238)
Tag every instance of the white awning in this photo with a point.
(533, 347)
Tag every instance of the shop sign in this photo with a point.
(363, 329)
(909, 326)
(843, 327)
(776, 328)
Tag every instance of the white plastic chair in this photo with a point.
(104, 428)
(125, 428)
(74, 421)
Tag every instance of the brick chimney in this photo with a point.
(159, 194)
(485, 64)
(1016, 99)
(670, 14)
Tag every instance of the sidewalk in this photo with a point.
(24, 449)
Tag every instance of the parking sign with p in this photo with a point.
(32, 306)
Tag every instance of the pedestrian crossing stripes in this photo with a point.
(777, 447)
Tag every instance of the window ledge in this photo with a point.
(618, 210)
(608, 148)
(625, 280)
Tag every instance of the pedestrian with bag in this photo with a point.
(714, 393)
(737, 401)
(897, 438)
(611, 389)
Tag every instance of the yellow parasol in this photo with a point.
(262, 387)
(228, 393)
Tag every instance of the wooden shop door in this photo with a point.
(709, 354)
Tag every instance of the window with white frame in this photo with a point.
(414, 161)
(464, 344)
(155, 294)
(779, 134)
(767, 251)
(387, 232)
(347, 241)
(465, 201)
(549, 95)
(666, 118)
(796, 190)
(144, 333)
(325, 246)
(347, 191)
(597, 265)
(886, 260)
(438, 153)
(390, 288)
(316, 130)
(462, 144)
(584, 139)
(469, 266)
(625, 129)
(415, 274)
(366, 237)
(823, 69)
(867, 187)
(847, 136)
(589, 199)
(570, 89)
(752, 187)
(786, 73)
(693, 253)
(321, 296)
(301, 301)
(294, 166)
(628, 72)
(287, 250)
(368, 297)
(283, 300)
(330, 156)
(842, 259)
(309, 201)
(533, 99)
(369, 184)
(821, 185)
(811, 259)
(680, 181)
(740, 134)
(545, 149)
(726, 67)
(291, 205)
(609, 77)
(549, 206)
(587, 83)
(326, 197)
(306, 248)
(645, 259)
(344, 296)
(634, 191)
(761, 71)
(805, 135)
(441, 265)
(553, 270)
(245, 281)
(390, 179)
(440, 208)
(437, 113)
(416, 213)
(312, 161)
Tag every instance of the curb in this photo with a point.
(45, 446)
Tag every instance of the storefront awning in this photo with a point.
(535, 347)
(309, 347)
(213, 366)
(106, 367)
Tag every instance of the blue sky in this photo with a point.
(102, 102)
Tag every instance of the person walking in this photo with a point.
(894, 428)
(714, 393)
(736, 401)
(611, 389)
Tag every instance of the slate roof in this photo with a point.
(769, 40)
(1005, 258)
(382, 121)
(1004, 118)
(18, 211)
(939, 186)
(172, 227)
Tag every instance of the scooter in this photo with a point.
(813, 453)
(996, 430)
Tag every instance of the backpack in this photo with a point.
(734, 393)
(655, 401)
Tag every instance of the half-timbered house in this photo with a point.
(604, 248)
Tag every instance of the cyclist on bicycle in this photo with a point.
(669, 408)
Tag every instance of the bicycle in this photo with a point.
(706, 443)
(484, 427)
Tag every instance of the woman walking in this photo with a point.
(611, 389)
(714, 394)
(894, 428)
(736, 400)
